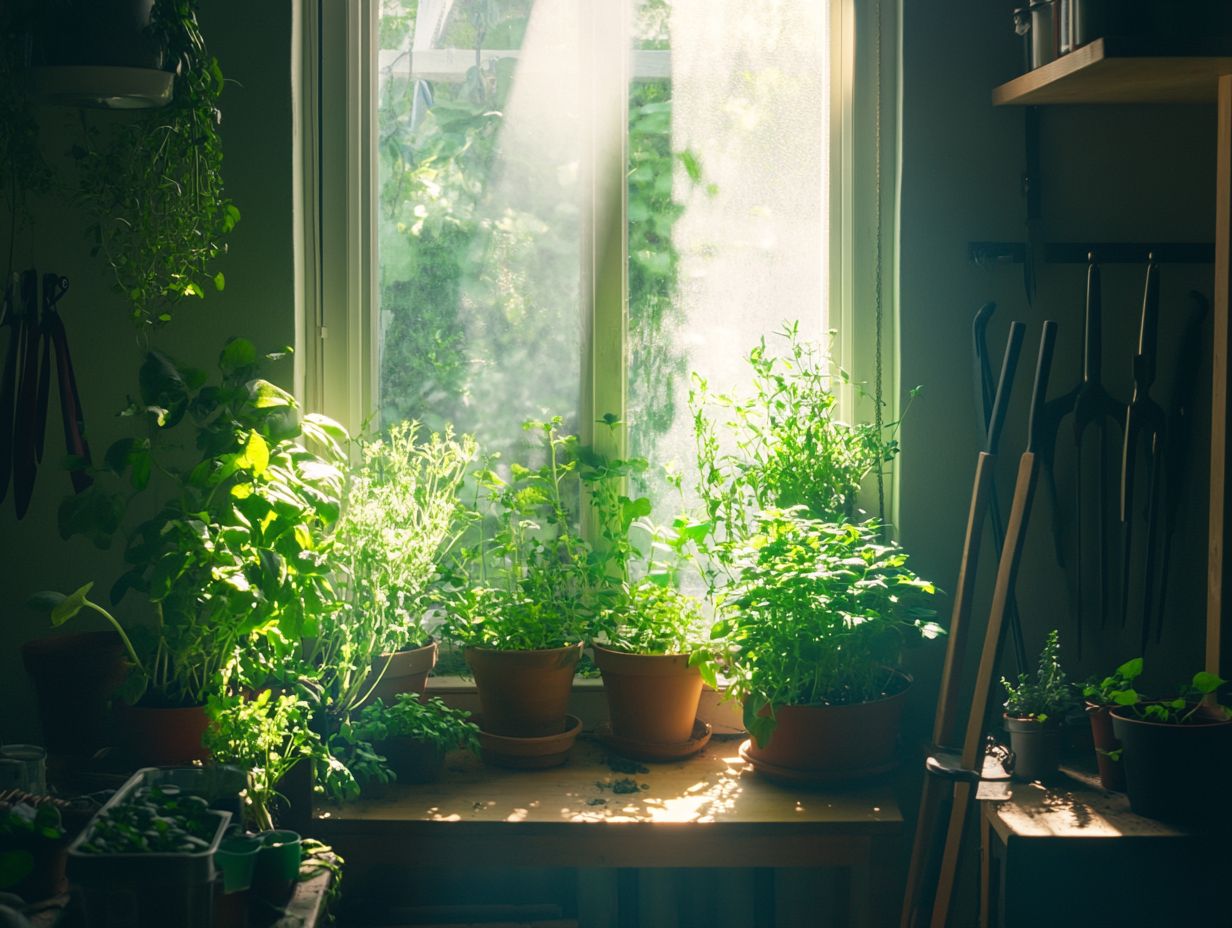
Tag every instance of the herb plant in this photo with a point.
(240, 548)
(1117, 689)
(428, 721)
(816, 615)
(401, 517)
(153, 820)
(1190, 706)
(1046, 695)
(153, 186)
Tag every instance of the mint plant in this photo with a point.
(1116, 689)
(1045, 695)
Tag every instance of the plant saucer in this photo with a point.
(652, 751)
(529, 753)
(796, 777)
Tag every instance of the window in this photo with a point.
(537, 207)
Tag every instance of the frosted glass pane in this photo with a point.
(727, 198)
(480, 228)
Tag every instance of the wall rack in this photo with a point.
(1105, 252)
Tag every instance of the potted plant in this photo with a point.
(813, 624)
(239, 550)
(522, 600)
(401, 517)
(1101, 697)
(32, 850)
(1176, 753)
(1034, 713)
(412, 736)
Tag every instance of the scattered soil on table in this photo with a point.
(618, 764)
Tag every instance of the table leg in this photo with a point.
(985, 867)
(860, 884)
(598, 898)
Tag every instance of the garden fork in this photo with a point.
(1144, 430)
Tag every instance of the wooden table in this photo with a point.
(1071, 853)
(709, 811)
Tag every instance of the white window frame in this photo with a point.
(337, 366)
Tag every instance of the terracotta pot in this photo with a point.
(1177, 773)
(651, 698)
(1111, 772)
(158, 737)
(1036, 746)
(74, 677)
(407, 673)
(529, 753)
(524, 694)
(414, 761)
(835, 743)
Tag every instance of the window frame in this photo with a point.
(335, 176)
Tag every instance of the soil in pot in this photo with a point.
(1177, 773)
(1111, 772)
(74, 677)
(1036, 746)
(161, 737)
(524, 694)
(832, 744)
(651, 698)
(407, 673)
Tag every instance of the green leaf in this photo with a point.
(220, 282)
(70, 606)
(237, 354)
(266, 396)
(1206, 683)
(1130, 670)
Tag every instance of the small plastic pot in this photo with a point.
(277, 868)
(236, 857)
(1036, 746)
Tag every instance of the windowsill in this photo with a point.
(589, 704)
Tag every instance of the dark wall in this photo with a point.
(252, 43)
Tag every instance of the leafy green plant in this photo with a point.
(1116, 689)
(816, 614)
(241, 547)
(153, 820)
(428, 721)
(649, 618)
(401, 517)
(1192, 704)
(153, 187)
(268, 735)
(528, 580)
(1047, 694)
(781, 444)
(23, 827)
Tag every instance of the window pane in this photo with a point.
(727, 216)
(479, 214)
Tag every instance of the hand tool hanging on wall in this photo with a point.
(38, 342)
(1144, 436)
(1094, 408)
(968, 774)
(934, 800)
(986, 392)
(1180, 439)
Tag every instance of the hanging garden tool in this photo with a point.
(967, 774)
(1144, 434)
(71, 415)
(1179, 438)
(924, 861)
(25, 458)
(1094, 409)
(986, 392)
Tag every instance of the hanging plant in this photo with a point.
(153, 186)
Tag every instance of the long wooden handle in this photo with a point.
(1007, 572)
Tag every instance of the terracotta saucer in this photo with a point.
(529, 753)
(647, 750)
(796, 777)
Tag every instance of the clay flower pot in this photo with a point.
(1111, 772)
(1036, 746)
(651, 698)
(1177, 773)
(832, 744)
(74, 677)
(524, 694)
(162, 737)
(407, 673)
(413, 760)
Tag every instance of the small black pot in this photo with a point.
(1036, 746)
(1177, 773)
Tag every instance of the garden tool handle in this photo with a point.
(1039, 392)
(1092, 336)
(1144, 361)
(979, 359)
(1005, 383)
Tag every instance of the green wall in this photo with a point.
(253, 45)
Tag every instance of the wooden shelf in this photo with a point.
(1122, 71)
